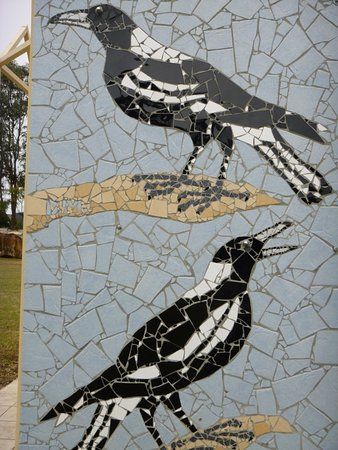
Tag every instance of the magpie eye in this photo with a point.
(246, 245)
(98, 10)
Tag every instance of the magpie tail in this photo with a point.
(69, 406)
(303, 179)
(295, 123)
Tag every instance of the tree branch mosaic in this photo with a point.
(135, 193)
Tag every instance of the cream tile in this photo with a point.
(11, 387)
(7, 430)
(7, 398)
(9, 415)
(7, 444)
(3, 409)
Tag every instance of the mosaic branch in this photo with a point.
(133, 193)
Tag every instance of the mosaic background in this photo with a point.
(91, 282)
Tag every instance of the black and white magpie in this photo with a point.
(161, 86)
(196, 336)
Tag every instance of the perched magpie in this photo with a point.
(161, 86)
(196, 336)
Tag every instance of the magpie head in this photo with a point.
(250, 249)
(111, 25)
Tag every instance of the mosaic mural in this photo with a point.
(167, 142)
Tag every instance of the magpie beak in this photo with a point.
(78, 18)
(269, 233)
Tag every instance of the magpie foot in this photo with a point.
(199, 194)
(203, 199)
(234, 423)
(170, 181)
(219, 435)
(225, 441)
(202, 436)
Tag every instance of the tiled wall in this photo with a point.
(92, 281)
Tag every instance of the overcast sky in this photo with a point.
(13, 15)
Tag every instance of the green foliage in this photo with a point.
(13, 112)
(10, 282)
(4, 219)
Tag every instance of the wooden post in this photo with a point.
(14, 50)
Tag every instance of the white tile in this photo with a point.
(140, 34)
(130, 403)
(145, 373)
(213, 107)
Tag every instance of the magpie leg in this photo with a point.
(227, 152)
(200, 139)
(173, 403)
(192, 158)
(147, 410)
(206, 192)
(223, 134)
(100, 429)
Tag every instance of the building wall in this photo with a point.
(92, 281)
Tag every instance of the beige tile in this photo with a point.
(158, 208)
(261, 428)
(11, 387)
(9, 415)
(7, 398)
(7, 444)
(36, 206)
(7, 430)
(3, 409)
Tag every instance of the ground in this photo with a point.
(10, 281)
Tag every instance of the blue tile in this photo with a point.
(92, 360)
(60, 385)
(123, 271)
(85, 328)
(325, 348)
(291, 390)
(152, 282)
(40, 359)
(91, 282)
(113, 319)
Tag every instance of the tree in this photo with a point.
(13, 112)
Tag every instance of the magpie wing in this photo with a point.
(119, 62)
(244, 109)
(165, 337)
(149, 344)
(250, 111)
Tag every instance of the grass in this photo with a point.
(10, 282)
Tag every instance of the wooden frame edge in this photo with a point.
(24, 236)
(12, 52)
